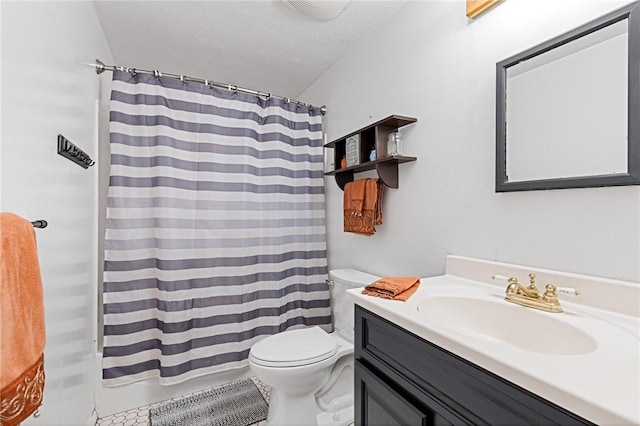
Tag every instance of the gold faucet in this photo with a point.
(530, 296)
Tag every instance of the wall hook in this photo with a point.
(68, 150)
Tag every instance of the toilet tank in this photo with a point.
(343, 315)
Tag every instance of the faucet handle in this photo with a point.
(508, 280)
(551, 292)
(568, 291)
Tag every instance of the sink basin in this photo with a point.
(506, 323)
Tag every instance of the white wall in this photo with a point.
(45, 91)
(431, 62)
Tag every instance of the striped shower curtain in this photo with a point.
(215, 233)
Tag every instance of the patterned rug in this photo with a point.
(234, 404)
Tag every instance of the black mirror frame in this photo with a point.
(632, 177)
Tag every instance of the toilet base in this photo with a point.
(340, 414)
(333, 407)
(291, 410)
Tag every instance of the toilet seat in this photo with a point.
(294, 348)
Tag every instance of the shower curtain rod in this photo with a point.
(101, 67)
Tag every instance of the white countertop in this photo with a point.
(602, 386)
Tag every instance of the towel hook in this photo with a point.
(39, 223)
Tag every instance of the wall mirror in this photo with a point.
(568, 110)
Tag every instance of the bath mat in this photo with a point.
(234, 404)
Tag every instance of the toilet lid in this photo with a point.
(294, 348)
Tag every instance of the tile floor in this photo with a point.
(140, 416)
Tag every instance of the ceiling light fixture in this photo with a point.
(318, 9)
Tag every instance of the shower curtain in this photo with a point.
(215, 233)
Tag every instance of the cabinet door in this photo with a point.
(379, 404)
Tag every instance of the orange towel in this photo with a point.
(395, 288)
(356, 196)
(378, 205)
(21, 321)
(363, 206)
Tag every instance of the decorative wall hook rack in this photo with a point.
(67, 149)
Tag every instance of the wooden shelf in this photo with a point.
(373, 136)
(387, 169)
(394, 121)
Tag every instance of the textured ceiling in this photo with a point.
(260, 45)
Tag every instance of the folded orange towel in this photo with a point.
(21, 321)
(363, 206)
(395, 288)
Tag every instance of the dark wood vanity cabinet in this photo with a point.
(402, 379)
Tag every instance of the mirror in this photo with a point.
(567, 110)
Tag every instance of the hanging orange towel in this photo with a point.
(395, 288)
(356, 196)
(21, 321)
(378, 205)
(363, 206)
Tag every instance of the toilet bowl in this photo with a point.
(310, 371)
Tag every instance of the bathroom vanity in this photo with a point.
(407, 380)
(457, 353)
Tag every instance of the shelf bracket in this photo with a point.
(344, 178)
(388, 174)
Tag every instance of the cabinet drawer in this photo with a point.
(473, 393)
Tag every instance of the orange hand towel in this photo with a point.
(21, 321)
(378, 206)
(362, 216)
(395, 288)
(356, 194)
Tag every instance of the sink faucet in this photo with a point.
(530, 296)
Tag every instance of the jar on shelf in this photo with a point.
(394, 144)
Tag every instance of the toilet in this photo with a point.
(310, 371)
